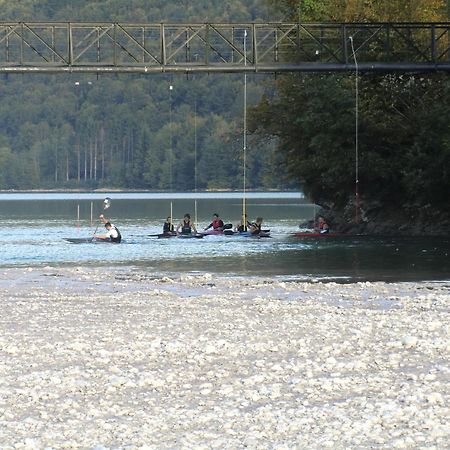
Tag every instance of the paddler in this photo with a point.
(168, 227)
(322, 225)
(217, 223)
(112, 232)
(243, 225)
(255, 227)
(186, 225)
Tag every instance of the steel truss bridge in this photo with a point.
(58, 47)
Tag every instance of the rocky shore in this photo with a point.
(125, 359)
(378, 219)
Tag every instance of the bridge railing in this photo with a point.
(263, 47)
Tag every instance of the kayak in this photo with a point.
(89, 240)
(163, 235)
(212, 233)
(226, 228)
(174, 235)
(307, 234)
(190, 236)
(261, 234)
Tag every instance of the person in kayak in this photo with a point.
(186, 225)
(217, 223)
(322, 225)
(243, 225)
(168, 227)
(255, 227)
(112, 232)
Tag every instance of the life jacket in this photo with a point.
(119, 236)
(244, 228)
(186, 228)
(168, 227)
(217, 223)
(257, 227)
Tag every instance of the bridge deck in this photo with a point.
(208, 47)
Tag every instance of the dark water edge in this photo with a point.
(342, 260)
(346, 259)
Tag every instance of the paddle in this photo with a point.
(93, 235)
(106, 205)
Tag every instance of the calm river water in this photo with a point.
(33, 227)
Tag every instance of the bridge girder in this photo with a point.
(64, 47)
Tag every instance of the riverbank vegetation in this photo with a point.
(404, 131)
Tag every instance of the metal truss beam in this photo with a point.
(62, 47)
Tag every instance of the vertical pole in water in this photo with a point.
(92, 214)
(171, 213)
(357, 209)
(244, 206)
(195, 213)
(78, 217)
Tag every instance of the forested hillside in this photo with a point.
(130, 131)
(404, 130)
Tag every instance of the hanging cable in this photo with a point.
(244, 220)
(170, 140)
(195, 159)
(357, 207)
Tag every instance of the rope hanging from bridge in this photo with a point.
(357, 206)
(244, 206)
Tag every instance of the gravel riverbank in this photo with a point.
(124, 359)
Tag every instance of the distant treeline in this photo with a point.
(129, 131)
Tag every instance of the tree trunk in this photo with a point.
(85, 161)
(56, 163)
(102, 148)
(95, 156)
(124, 150)
(91, 151)
(78, 162)
(67, 165)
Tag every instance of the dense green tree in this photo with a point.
(398, 161)
(134, 10)
(362, 10)
(404, 130)
(315, 141)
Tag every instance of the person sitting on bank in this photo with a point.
(217, 223)
(168, 227)
(322, 225)
(186, 225)
(255, 227)
(243, 225)
(112, 232)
